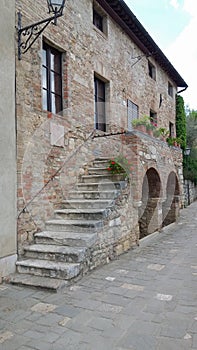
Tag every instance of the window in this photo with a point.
(171, 129)
(170, 89)
(99, 99)
(151, 70)
(51, 79)
(98, 20)
(132, 113)
(153, 118)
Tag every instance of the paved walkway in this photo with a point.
(145, 300)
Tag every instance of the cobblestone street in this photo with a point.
(144, 300)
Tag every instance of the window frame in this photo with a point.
(153, 118)
(170, 90)
(101, 16)
(152, 70)
(171, 129)
(52, 83)
(99, 109)
(132, 113)
(97, 20)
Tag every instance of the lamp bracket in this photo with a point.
(29, 34)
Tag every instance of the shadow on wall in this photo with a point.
(170, 207)
(149, 211)
(153, 214)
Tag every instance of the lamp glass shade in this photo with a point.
(56, 6)
(187, 151)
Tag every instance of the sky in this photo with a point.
(173, 26)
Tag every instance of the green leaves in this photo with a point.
(120, 165)
(180, 121)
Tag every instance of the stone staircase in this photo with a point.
(63, 252)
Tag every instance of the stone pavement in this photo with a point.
(144, 300)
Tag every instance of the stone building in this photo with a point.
(78, 88)
(7, 140)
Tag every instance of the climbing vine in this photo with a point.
(190, 162)
(181, 120)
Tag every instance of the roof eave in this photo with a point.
(122, 15)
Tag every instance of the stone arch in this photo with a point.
(170, 208)
(149, 212)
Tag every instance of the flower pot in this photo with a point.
(149, 132)
(141, 128)
(162, 138)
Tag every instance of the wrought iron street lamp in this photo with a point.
(56, 6)
(187, 151)
(28, 34)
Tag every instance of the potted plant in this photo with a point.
(137, 124)
(178, 141)
(170, 141)
(120, 165)
(141, 123)
(163, 133)
(150, 127)
(174, 141)
(156, 132)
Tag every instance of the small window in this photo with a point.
(98, 20)
(153, 118)
(151, 70)
(170, 89)
(171, 129)
(51, 79)
(132, 113)
(99, 104)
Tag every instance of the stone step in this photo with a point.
(101, 163)
(73, 225)
(55, 253)
(102, 186)
(70, 239)
(53, 269)
(87, 214)
(87, 203)
(100, 158)
(46, 283)
(101, 178)
(94, 194)
(99, 171)
(60, 253)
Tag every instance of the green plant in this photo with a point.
(181, 120)
(190, 162)
(114, 167)
(190, 166)
(173, 141)
(119, 165)
(156, 132)
(178, 140)
(150, 126)
(163, 132)
(141, 121)
(170, 141)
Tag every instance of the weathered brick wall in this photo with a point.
(85, 51)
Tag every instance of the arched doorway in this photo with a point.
(149, 212)
(171, 205)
